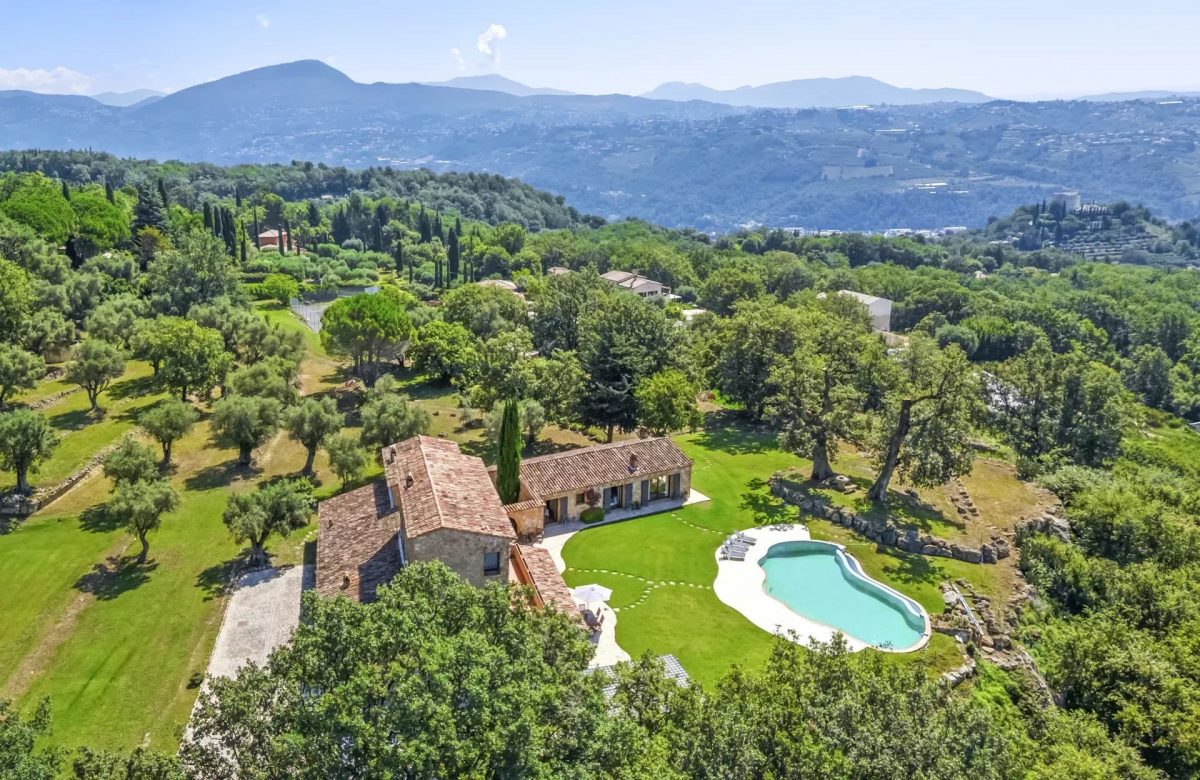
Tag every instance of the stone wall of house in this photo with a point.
(528, 521)
(887, 531)
(463, 552)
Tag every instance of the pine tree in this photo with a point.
(508, 458)
(149, 210)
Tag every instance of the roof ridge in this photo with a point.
(611, 445)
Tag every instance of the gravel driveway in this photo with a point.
(261, 615)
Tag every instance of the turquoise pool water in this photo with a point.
(818, 581)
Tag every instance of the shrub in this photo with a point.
(591, 515)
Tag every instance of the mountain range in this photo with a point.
(697, 163)
(126, 99)
(494, 82)
(816, 93)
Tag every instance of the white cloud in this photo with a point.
(459, 63)
(488, 41)
(263, 20)
(57, 80)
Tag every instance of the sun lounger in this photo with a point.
(741, 537)
(733, 555)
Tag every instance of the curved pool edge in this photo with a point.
(741, 585)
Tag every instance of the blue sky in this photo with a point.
(1014, 48)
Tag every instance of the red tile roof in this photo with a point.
(440, 487)
(603, 464)
(357, 549)
(546, 580)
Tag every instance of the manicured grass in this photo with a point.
(110, 643)
(661, 568)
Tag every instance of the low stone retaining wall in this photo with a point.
(888, 532)
(50, 400)
(13, 505)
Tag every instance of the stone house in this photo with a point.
(629, 475)
(435, 503)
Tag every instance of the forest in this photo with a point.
(1085, 374)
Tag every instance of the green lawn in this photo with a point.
(111, 644)
(661, 567)
(82, 433)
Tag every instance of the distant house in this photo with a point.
(502, 284)
(636, 283)
(880, 309)
(272, 238)
(557, 270)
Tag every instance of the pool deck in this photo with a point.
(740, 585)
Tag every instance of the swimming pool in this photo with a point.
(820, 582)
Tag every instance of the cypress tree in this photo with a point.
(454, 253)
(508, 458)
(162, 193)
(66, 192)
(243, 250)
(108, 192)
(208, 216)
(237, 196)
(280, 241)
(257, 245)
(229, 231)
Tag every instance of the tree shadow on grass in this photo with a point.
(765, 507)
(912, 569)
(730, 432)
(74, 420)
(99, 520)
(217, 580)
(133, 388)
(117, 575)
(220, 475)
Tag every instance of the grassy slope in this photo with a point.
(661, 568)
(82, 433)
(113, 646)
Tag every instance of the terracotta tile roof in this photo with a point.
(357, 549)
(520, 506)
(603, 464)
(546, 580)
(440, 487)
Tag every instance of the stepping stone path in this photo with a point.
(650, 585)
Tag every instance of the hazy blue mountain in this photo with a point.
(816, 93)
(497, 83)
(1152, 94)
(130, 98)
(696, 163)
